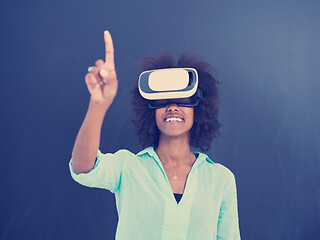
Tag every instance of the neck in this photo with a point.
(175, 151)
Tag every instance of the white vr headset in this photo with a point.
(168, 83)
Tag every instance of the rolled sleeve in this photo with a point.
(106, 173)
(228, 223)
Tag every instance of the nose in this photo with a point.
(172, 107)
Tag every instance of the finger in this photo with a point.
(91, 81)
(109, 59)
(100, 63)
(96, 72)
(103, 73)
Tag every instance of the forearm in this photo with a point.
(88, 139)
(102, 84)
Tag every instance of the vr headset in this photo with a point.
(170, 85)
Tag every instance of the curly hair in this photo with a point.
(206, 124)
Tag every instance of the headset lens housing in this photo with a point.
(192, 101)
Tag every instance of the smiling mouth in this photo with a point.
(173, 119)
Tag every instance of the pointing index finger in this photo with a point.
(109, 60)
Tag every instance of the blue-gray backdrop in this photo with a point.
(266, 54)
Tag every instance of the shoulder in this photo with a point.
(121, 157)
(223, 169)
(122, 153)
(125, 156)
(218, 169)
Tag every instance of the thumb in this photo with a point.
(104, 75)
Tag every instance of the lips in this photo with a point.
(173, 118)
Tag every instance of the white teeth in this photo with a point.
(171, 119)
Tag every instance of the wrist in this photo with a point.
(99, 105)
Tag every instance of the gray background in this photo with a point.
(266, 54)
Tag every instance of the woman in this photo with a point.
(166, 191)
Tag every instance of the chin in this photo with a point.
(175, 134)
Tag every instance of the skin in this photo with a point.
(102, 84)
(174, 129)
(173, 149)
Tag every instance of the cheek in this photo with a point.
(191, 114)
(158, 116)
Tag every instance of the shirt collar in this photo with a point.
(150, 150)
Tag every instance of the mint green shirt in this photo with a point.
(146, 205)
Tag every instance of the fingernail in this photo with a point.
(104, 73)
(105, 81)
(106, 31)
(97, 86)
(90, 69)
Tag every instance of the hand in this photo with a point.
(102, 80)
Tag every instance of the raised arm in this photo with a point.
(102, 84)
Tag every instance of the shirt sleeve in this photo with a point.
(106, 173)
(228, 222)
